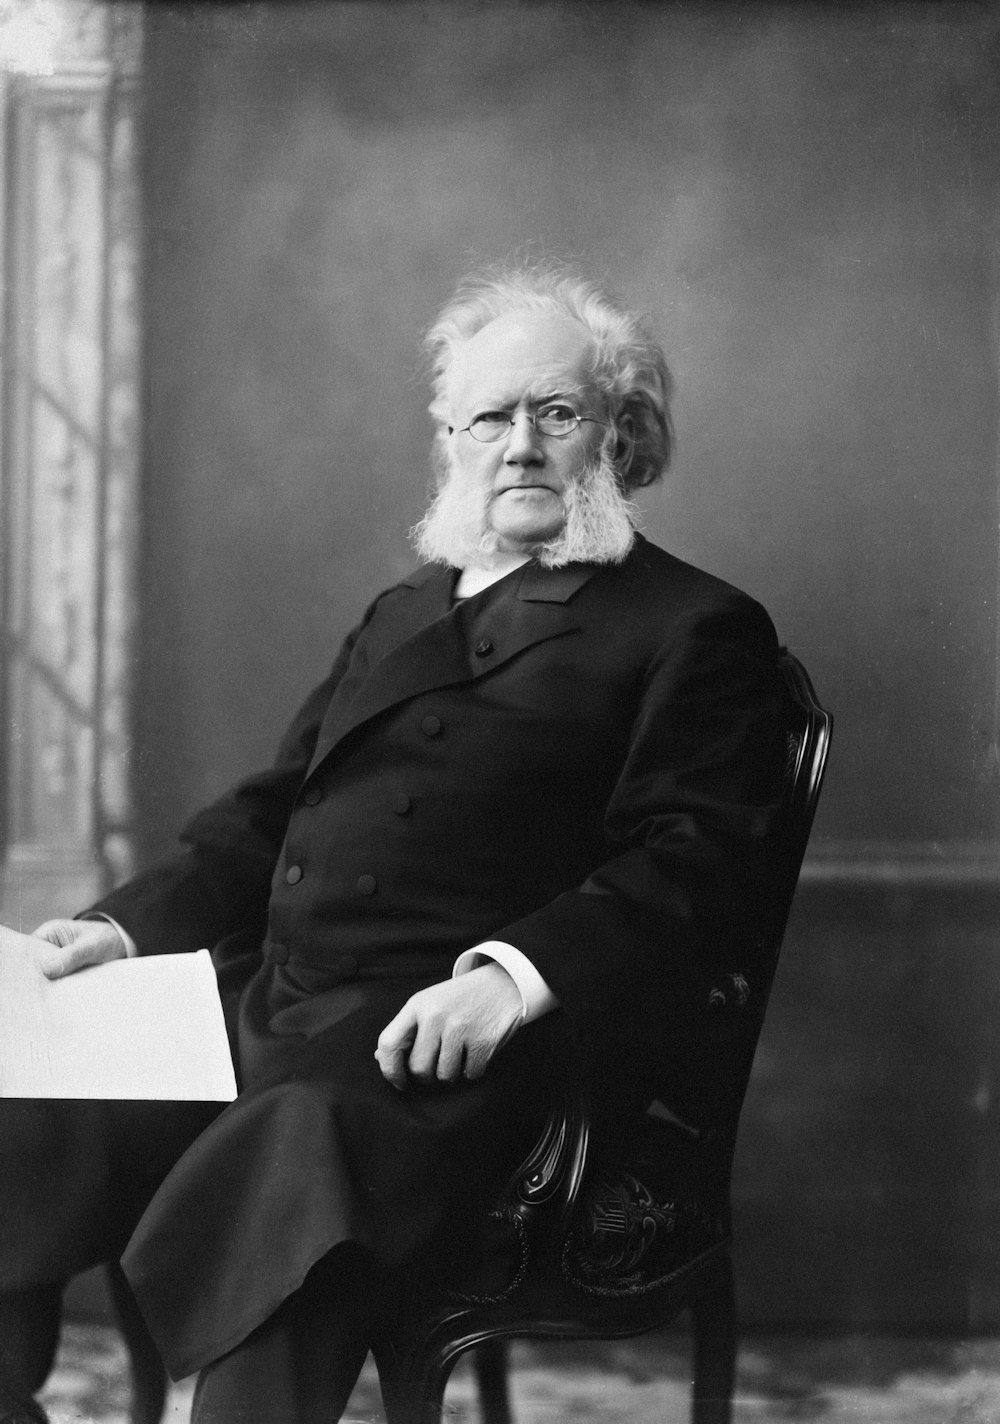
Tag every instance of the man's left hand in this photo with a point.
(451, 1030)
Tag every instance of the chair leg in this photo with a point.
(714, 1319)
(489, 1362)
(149, 1378)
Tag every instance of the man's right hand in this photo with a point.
(77, 944)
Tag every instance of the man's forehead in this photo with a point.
(522, 353)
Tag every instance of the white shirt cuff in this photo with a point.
(536, 996)
(131, 948)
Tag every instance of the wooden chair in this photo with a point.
(602, 1240)
(594, 1238)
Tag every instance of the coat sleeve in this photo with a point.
(636, 947)
(220, 884)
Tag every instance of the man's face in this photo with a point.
(516, 364)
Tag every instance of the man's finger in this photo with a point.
(67, 960)
(57, 932)
(482, 1053)
(423, 1056)
(394, 1043)
(478, 1060)
(88, 943)
(450, 1057)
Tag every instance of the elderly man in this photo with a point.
(518, 824)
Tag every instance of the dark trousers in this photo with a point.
(301, 1365)
(29, 1334)
(74, 1180)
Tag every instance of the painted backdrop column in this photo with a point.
(69, 457)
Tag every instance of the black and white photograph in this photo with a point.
(499, 712)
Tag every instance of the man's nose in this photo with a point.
(524, 444)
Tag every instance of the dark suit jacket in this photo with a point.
(581, 762)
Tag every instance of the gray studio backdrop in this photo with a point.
(803, 198)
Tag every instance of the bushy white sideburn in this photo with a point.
(599, 529)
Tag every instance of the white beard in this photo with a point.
(599, 529)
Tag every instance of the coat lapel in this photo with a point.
(428, 642)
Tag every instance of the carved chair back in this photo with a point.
(586, 1245)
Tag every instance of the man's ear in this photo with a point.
(624, 451)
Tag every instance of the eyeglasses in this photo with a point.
(556, 419)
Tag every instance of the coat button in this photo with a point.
(313, 796)
(401, 804)
(293, 874)
(367, 885)
(483, 648)
(430, 726)
(278, 954)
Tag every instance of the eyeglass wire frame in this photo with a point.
(533, 417)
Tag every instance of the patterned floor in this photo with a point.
(856, 1380)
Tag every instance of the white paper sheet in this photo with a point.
(136, 1028)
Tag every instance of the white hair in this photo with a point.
(629, 367)
(599, 527)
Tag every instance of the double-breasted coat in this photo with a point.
(581, 762)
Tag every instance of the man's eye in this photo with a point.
(490, 419)
(556, 412)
